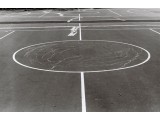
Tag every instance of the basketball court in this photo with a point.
(85, 60)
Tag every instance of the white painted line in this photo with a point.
(83, 93)
(155, 31)
(116, 29)
(14, 28)
(90, 29)
(120, 25)
(7, 34)
(80, 33)
(103, 70)
(98, 16)
(57, 16)
(82, 76)
(114, 12)
(42, 30)
(72, 19)
(3, 28)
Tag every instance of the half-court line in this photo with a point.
(83, 98)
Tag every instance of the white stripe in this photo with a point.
(83, 98)
(7, 34)
(4, 28)
(83, 93)
(80, 34)
(155, 31)
(91, 29)
(57, 16)
(72, 19)
(114, 12)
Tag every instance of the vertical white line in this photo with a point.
(83, 98)
(83, 93)
(80, 34)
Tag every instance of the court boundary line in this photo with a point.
(14, 28)
(80, 34)
(7, 34)
(127, 25)
(57, 16)
(118, 29)
(155, 31)
(10, 28)
(83, 98)
(85, 29)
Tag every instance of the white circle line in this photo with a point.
(148, 53)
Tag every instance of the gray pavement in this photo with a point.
(134, 89)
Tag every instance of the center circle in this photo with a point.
(73, 56)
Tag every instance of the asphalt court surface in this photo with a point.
(75, 66)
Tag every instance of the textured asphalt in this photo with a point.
(134, 89)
